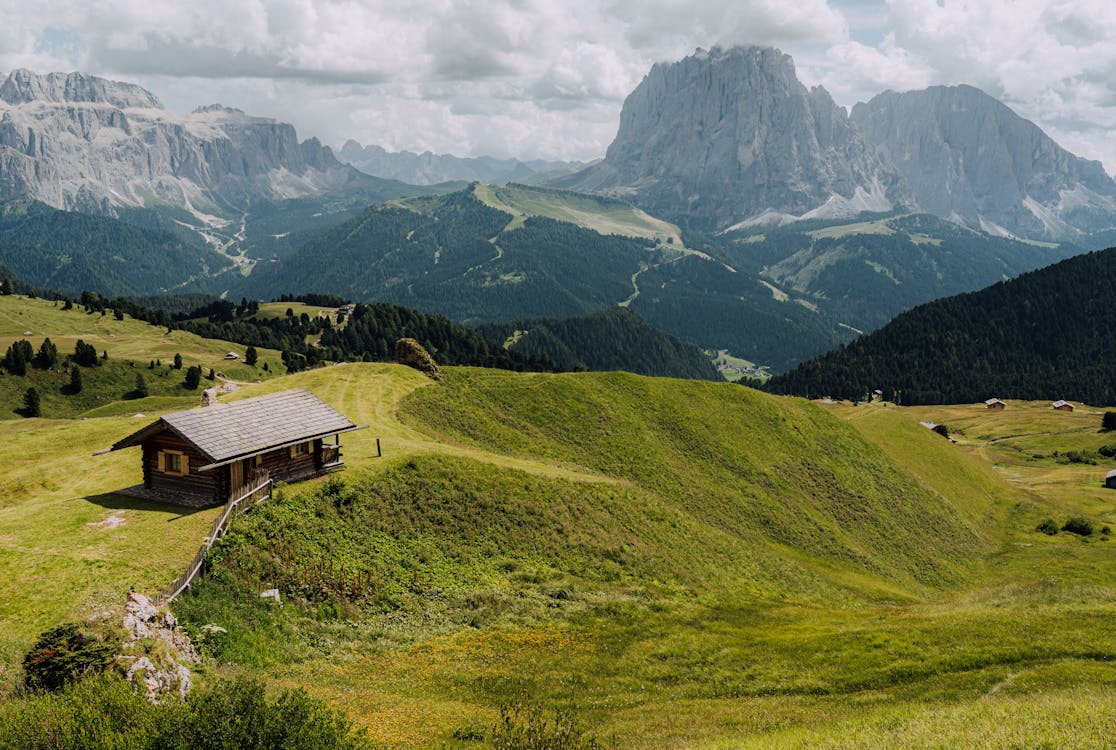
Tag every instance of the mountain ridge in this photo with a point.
(79, 142)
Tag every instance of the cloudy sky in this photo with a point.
(546, 79)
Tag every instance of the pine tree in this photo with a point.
(17, 356)
(1108, 421)
(75, 380)
(250, 356)
(47, 356)
(178, 361)
(193, 377)
(141, 386)
(31, 406)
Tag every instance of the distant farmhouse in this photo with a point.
(1063, 405)
(203, 456)
(1110, 480)
(995, 403)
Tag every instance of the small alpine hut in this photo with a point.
(995, 403)
(201, 456)
(1110, 480)
(1062, 405)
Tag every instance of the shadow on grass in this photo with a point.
(121, 501)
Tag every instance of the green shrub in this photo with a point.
(942, 430)
(526, 728)
(1108, 451)
(110, 713)
(65, 654)
(1048, 526)
(1078, 525)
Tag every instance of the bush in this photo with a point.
(110, 713)
(65, 654)
(1108, 451)
(1078, 525)
(521, 728)
(942, 430)
(1108, 421)
(1048, 527)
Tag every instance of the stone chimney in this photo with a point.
(209, 397)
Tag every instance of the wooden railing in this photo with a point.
(331, 454)
(242, 498)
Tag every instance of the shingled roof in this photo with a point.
(226, 432)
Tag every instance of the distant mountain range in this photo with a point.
(79, 142)
(1048, 334)
(736, 208)
(430, 169)
(729, 138)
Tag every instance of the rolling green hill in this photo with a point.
(1048, 334)
(613, 339)
(670, 563)
(74, 252)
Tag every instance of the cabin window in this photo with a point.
(174, 462)
(301, 449)
(257, 461)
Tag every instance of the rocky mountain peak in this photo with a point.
(729, 135)
(968, 157)
(24, 86)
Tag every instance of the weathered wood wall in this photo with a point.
(204, 483)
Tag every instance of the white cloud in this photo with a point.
(1053, 62)
(537, 78)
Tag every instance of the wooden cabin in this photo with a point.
(1110, 480)
(1062, 406)
(202, 456)
(995, 403)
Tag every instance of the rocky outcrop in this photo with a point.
(731, 135)
(430, 169)
(411, 353)
(156, 651)
(81, 142)
(967, 157)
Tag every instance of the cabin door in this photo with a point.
(236, 475)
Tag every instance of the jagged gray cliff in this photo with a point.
(728, 138)
(731, 135)
(80, 142)
(969, 158)
(431, 169)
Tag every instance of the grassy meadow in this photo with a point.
(671, 563)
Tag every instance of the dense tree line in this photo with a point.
(71, 251)
(614, 339)
(1048, 334)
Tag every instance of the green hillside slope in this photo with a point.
(670, 563)
(74, 252)
(614, 339)
(1047, 334)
